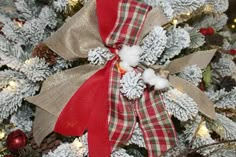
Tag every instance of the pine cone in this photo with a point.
(214, 39)
(234, 60)
(42, 51)
(228, 83)
(216, 57)
(51, 142)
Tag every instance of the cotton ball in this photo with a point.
(161, 83)
(130, 55)
(148, 76)
(152, 79)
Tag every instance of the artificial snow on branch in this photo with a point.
(228, 101)
(153, 45)
(192, 74)
(61, 64)
(196, 38)
(99, 56)
(120, 152)
(137, 137)
(224, 67)
(219, 6)
(74, 149)
(180, 105)
(152, 3)
(173, 8)
(12, 96)
(215, 21)
(177, 39)
(23, 119)
(223, 126)
(132, 85)
(36, 69)
(27, 9)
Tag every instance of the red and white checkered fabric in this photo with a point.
(154, 121)
(157, 128)
(131, 17)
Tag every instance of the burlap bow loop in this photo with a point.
(201, 59)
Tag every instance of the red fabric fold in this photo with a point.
(87, 110)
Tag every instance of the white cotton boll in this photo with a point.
(125, 66)
(130, 55)
(152, 79)
(148, 75)
(161, 83)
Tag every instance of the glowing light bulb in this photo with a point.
(77, 143)
(28, 62)
(234, 20)
(12, 83)
(233, 26)
(2, 134)
(72, 3)
(208, 8)
(203, 131)
(188, 14)
(175, 22)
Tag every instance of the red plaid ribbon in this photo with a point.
(130, 18)
(154, 121)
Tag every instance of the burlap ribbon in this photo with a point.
(72, 41)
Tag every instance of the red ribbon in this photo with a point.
(88, 107)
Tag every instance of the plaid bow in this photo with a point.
(99, 98)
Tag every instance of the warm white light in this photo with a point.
(233, 26)
(12, 83)
(77, 143)
(175, 22)
(28, 62)
(73, 3)
(203, 131)
(2, 134)
(188, 14)
(208, 8)
(235, 20)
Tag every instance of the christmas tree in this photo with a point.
(195, 28)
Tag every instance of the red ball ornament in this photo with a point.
(210, 31)
(16, 140)
(203, 31)
(207, 31)
(232, 52)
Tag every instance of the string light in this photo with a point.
(208, 8)
(203, 131)
(234, 20)
(28, 62)
(73, 3)
(175, 22)
(233, 26)
(2, 134)
(188, 14)
(12, 83)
